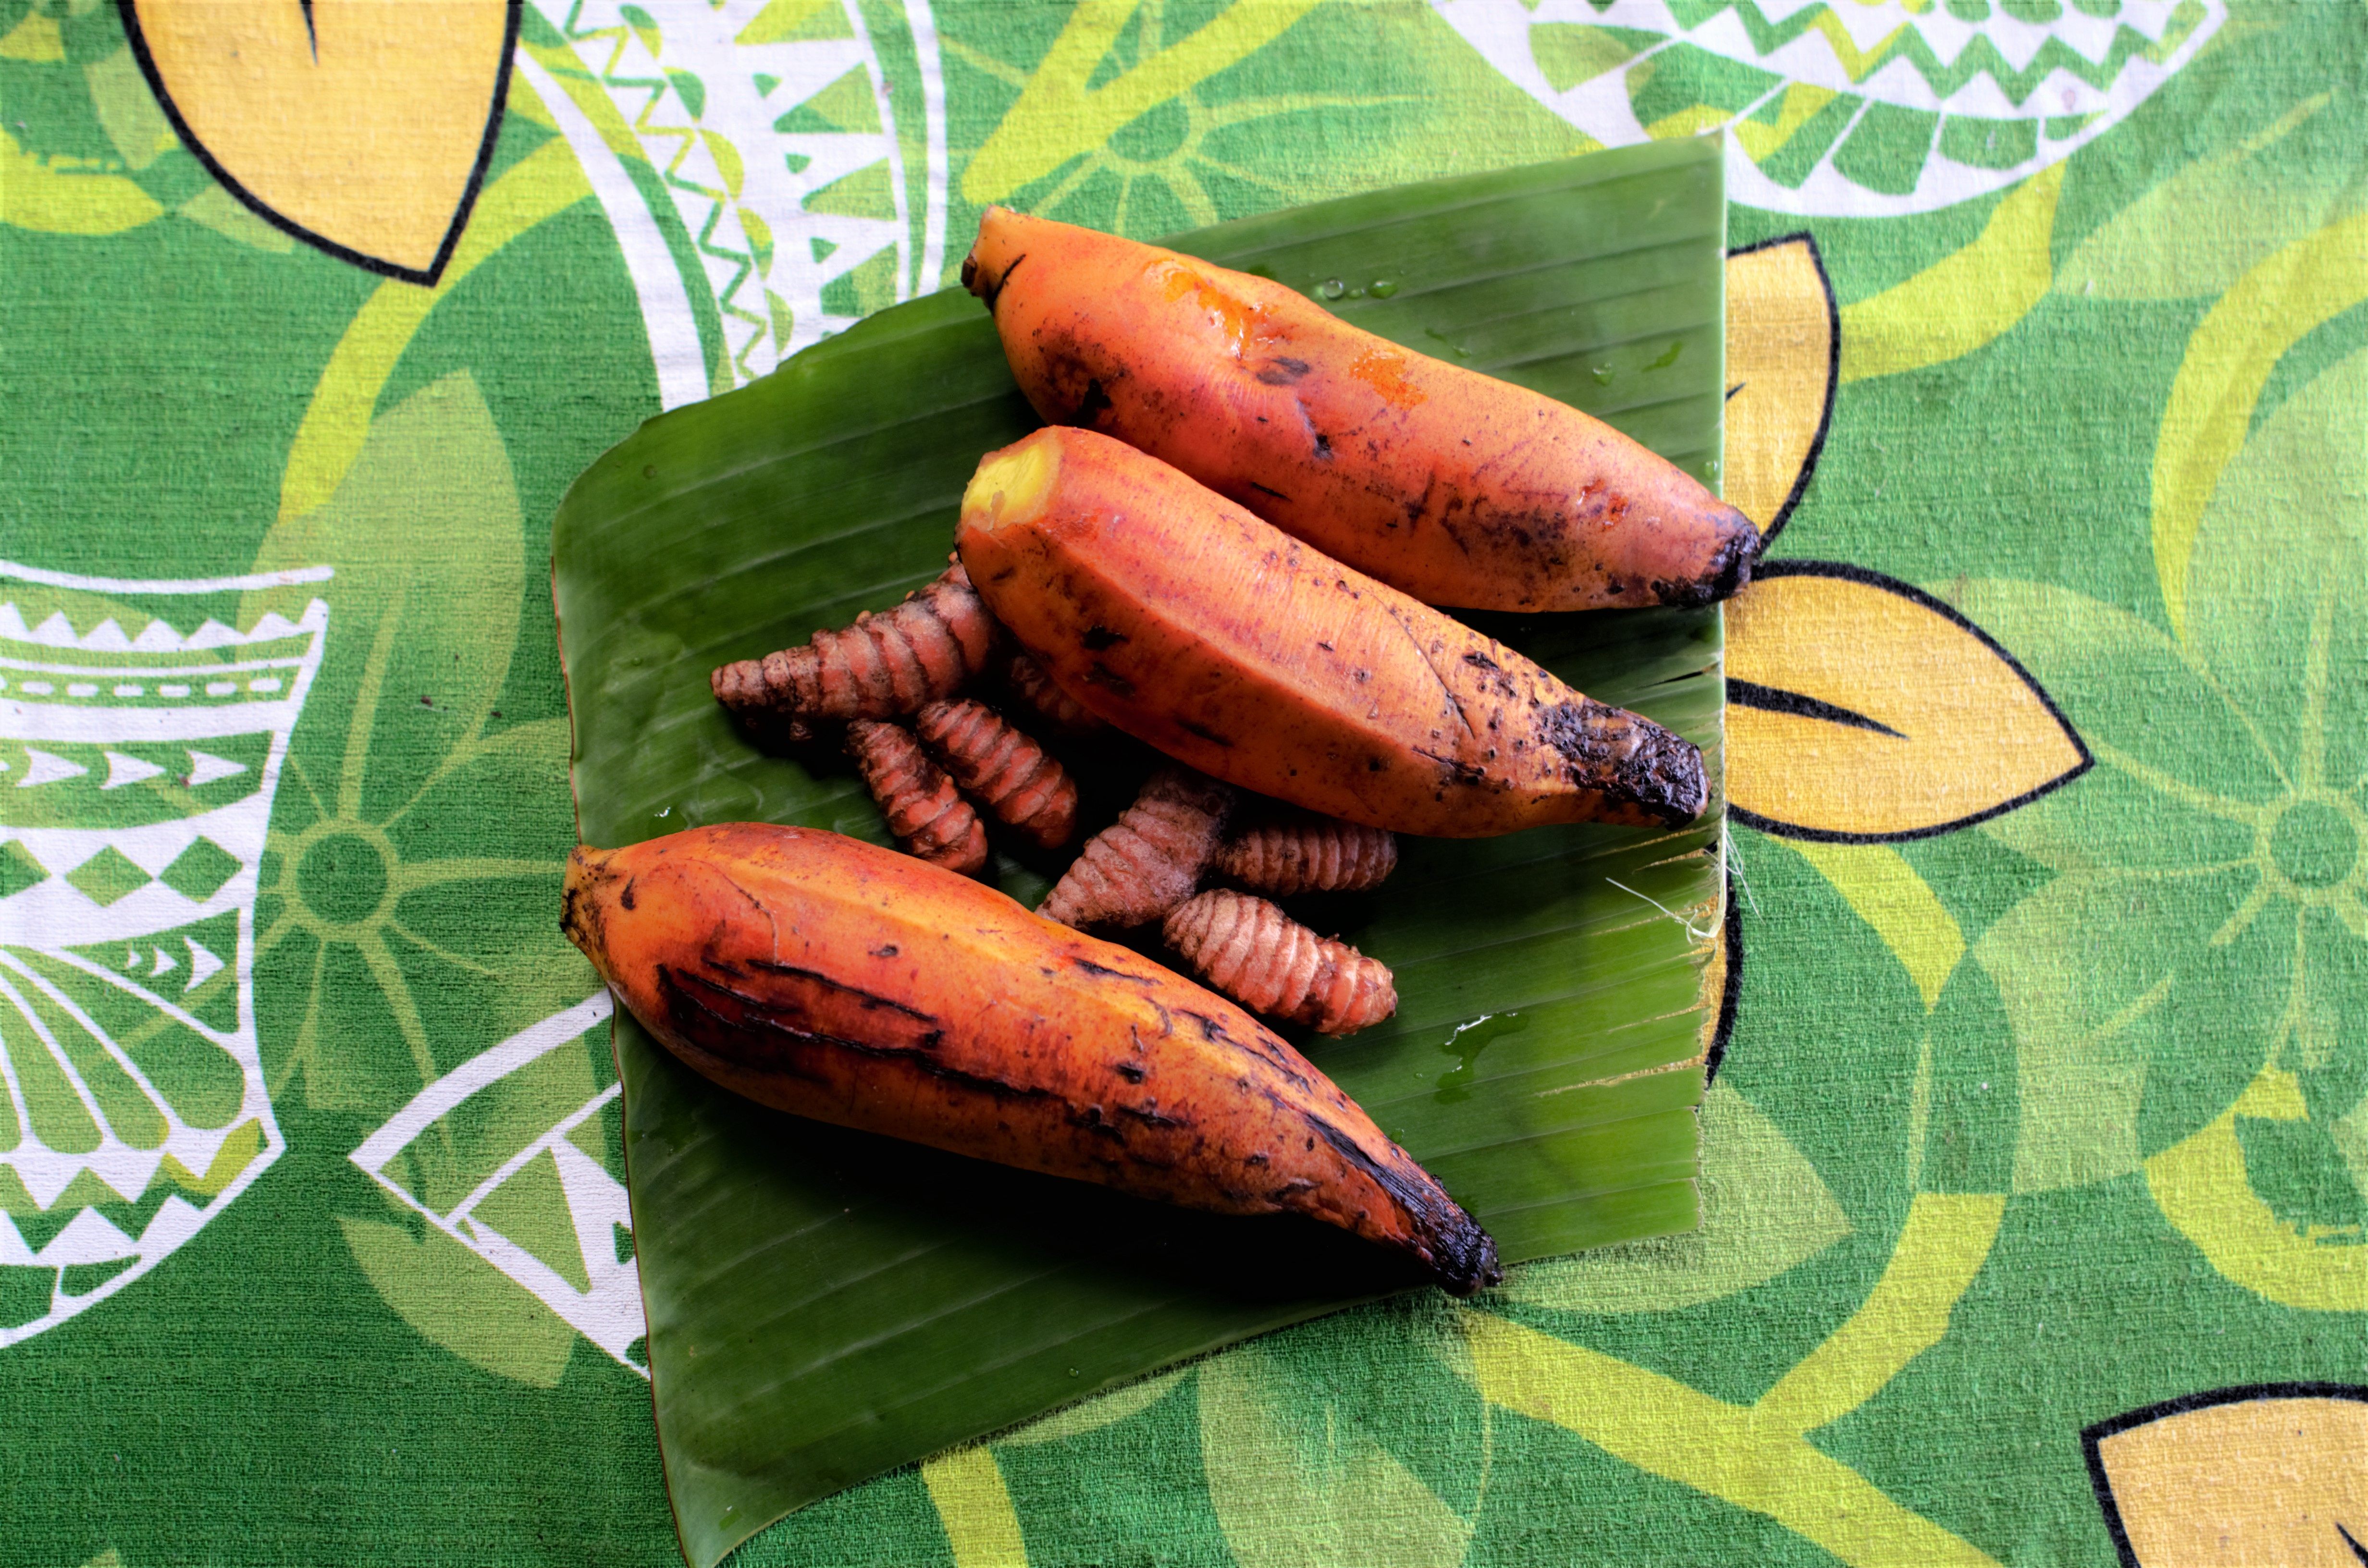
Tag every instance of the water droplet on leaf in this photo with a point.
(1467, 1041)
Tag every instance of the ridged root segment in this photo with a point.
(1027, 682)
(1309, 854)
(924, 811)
(1149, 860)
(881, 668)
(1269, 962)
(1002, 770)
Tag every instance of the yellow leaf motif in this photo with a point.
(1947, 1239)
(36, 38)
(1764, 1208)
(2228, 362)
(360, 126)
(539, 186)
(2240, 1476)
(982, 1527)
(127, 110)
(1667, 1429)
(52, 198)
(1093, 1414)
(446, 1292)
(2194, 235)
(1783, 343)
(1965, 300)
(1295, 1482)
(1056, 118)
(217, 210)
(1862, 711)
(2202, 1187)
(1884, 890)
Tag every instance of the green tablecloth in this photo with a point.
(2036, 1157)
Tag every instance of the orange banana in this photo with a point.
(1459, 488)
(1237, 650)
(836, 980)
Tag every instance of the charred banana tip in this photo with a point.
(1633, 761)
(1736, 562)
(1681, 788)
(1729, 571)
(1466, 1261)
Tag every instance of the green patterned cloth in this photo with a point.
(2035, 1157)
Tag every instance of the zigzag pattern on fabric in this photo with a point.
(1980, 57)
(88, 1190)
(685, 136)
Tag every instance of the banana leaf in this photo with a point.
(826, 1305)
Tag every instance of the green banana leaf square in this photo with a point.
(826, 1305)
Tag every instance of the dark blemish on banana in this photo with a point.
(1209, 736)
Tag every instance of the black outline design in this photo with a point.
(1776, 699)
(1833, 377)
(2243, 1394)
(1917, 597)
(453, 230)
(1730, 990)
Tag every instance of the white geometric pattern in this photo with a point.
(2082, 105)
(83, 1099)
(608, 1313)
(705, 107)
